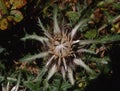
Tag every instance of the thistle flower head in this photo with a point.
(62, 50)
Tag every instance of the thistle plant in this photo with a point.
(63, 50)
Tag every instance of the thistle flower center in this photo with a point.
(60, 45)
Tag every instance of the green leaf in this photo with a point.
(17, 15)
(109, 39)
(91, 34)
(35, 37)
(29, 58)
(73, 16)
(56, 26)
(87, 51)
(41, 74)
(18, 82)
(33, 86)
(101, 4)
(56, 83)
(103, 40)
(116, 5)
(109, 17)
(65, 86)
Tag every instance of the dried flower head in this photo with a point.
(63, 50)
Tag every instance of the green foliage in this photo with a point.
(103, 40)
(106, 11)
(91, 34)
(17, 15)
(33, 86)
(56, 85)
(116, 5)
(73, 16)
(33, 57)
(110, 39)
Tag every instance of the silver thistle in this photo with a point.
(60, 49)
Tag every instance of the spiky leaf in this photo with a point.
(29, 58)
